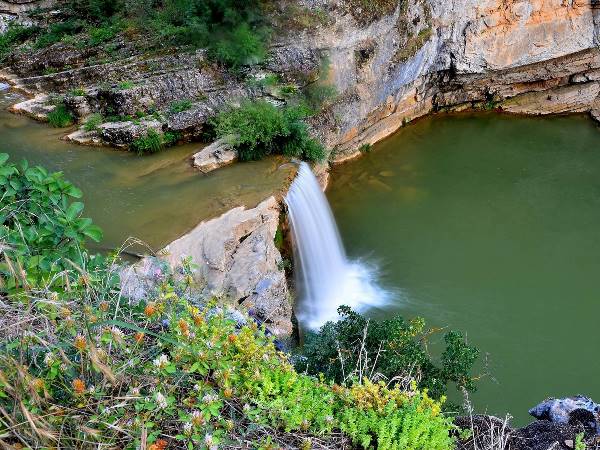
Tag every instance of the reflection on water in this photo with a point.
(154, 198)
(490, 225)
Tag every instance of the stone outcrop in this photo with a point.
(122, 134)
(239, 263)
(388, 67)
(218, 154)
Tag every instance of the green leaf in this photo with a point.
(3, 158)
(93, 232)
(74, 192)
(16, 184)
(74, 210)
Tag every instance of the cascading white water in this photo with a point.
(326, 278)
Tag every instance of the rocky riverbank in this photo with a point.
(388, 65)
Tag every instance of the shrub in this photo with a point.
(60, 117)
(261, 129)
(14, 35)
(93, 122)
(123, 85)
(240, 47)
(95, 10)
(180, 106)
(41, 228)
(57, 31)
(393, 348)
(150, 143)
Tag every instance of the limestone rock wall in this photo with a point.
(238, 262)
(426, 56)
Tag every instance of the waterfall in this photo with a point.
(325, 277)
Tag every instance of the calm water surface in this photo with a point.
(489, 224)
(154, 198)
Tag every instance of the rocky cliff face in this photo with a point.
(390, 61)
(540, 56)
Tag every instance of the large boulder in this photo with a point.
(239, 263)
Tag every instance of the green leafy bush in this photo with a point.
(93, 122)
(14, 35)
(150, 143)
(391, 348)
(240, 47)
(180, 106)
(41, 228)
(60, 117)
(260, 129)
(58, 31)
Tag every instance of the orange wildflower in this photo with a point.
(184, 327)
(232, 338)
(78, 386)
(198, 320)
(150, 309)
(139, 337)
(160, 444)
(80, 342)
(104, 306)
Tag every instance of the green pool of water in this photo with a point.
(489, 224)
(154, 198)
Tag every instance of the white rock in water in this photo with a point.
(218, 154)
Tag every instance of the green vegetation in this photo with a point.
(77, 92)
(82, 366)
(153, 141)
(93, 122)
(150, 143)
(579, 444)
(123, 85)
(180, 106)
(13, 36)
(394, 349)
(259, 129)
(40, 228)
(365, 148)
(60, 117)
(235, 33)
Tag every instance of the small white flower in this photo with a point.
(246, 407)
(135, 391)
(209, 398)
(117, 333)
(92, 389)
(161, 401)
(208, 440)
(49, 359)
(329, 419)
(187, 428)
(197, 388)
(162, 361)
(195, 414)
